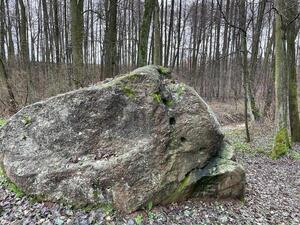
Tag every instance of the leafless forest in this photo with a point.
(241, 56)
(199, 39)
(225, 49)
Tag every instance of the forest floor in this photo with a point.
(272, 194)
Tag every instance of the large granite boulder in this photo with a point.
(138, 138)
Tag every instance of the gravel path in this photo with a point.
(272, 197)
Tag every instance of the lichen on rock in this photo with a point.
(138, 138)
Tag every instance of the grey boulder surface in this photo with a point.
(137, 139)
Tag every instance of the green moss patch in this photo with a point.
(182, 185)
(168, 102)
(118, 79)
(2, 122)
(281, 144)
(164, 70)
(129, 92)
(180, 190)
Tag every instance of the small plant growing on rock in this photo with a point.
(151, 215)
(156, 97)
(138, 219)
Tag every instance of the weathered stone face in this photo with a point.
(138, 138)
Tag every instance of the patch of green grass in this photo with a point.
(246, 148)
(2, 122)
(241, 146)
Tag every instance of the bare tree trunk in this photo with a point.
(243, 42)
(23, 34)
(253, 67)
(194, 39)
(281, 139)
(3, 75)
(217, 65)
(167, 51)
(2, 29)
(176, 56)
(11, 49)
(292, 32)
(56, 31)
(110, 41)
(24, 49)
(144, 32)
(77, 38)
(157, 37)
(46, 30)
(267, 64)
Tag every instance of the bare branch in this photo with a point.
(228, 22)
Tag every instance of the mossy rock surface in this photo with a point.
(141, 137)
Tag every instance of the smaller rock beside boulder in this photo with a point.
(139, 138)
(222, 177)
